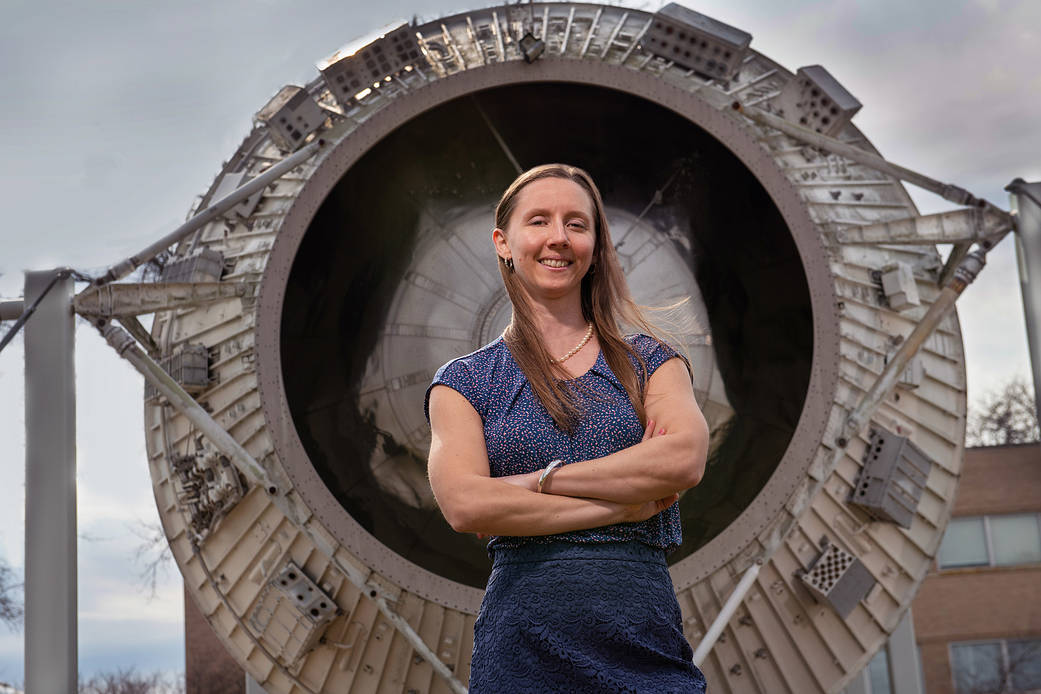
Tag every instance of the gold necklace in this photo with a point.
(573, 352)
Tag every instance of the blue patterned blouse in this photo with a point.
(521, 436)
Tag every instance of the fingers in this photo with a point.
(667, 501)
(649, 431)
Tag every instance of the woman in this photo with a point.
(568, 444)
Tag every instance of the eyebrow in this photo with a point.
(544, 212)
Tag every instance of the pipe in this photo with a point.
(125, 267)
(970, 225)
(729, 607)
(128, 299)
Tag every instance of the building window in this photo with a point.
(1016, 539)
(996, 666)
(991, 541)
(964, 543)
(1024, 659)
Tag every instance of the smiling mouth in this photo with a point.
(552, 262)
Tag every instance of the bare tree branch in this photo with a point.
(11, 608)
(152, 555)
(1003, 416)
(128, 681)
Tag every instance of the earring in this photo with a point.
(508, 262)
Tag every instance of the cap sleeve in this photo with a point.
(654, 353)
(457, 376)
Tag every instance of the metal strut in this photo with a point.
(125, 267)
(729, 607)
(123, 300)
(276, 488)
(971, 225)
(947, 191)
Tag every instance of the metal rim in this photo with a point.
(731, 132)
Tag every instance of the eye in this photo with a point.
(537, 220)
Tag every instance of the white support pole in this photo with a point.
(50, 487)
(723, 618)
(904, 668)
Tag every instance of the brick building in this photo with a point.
(977, 616)
(208, 667)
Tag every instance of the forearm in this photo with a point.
(490, 506)
(654, 468)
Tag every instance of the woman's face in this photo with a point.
(550, 236)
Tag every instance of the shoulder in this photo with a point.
(480, 362)
(652, 351)
(467, 373)
(648, 347)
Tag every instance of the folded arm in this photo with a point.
(473, 501)
(661, 464)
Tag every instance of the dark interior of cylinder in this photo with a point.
(356, 250)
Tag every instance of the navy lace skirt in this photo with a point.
(565, 617)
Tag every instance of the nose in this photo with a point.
(558, 234)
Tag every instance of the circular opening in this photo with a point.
(356, 358)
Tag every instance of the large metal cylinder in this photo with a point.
(376, 267)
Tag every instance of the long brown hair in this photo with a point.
(606, 303)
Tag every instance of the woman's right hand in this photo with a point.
(634, 513)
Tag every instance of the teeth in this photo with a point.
(555, 263)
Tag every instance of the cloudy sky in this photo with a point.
(116, 114)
